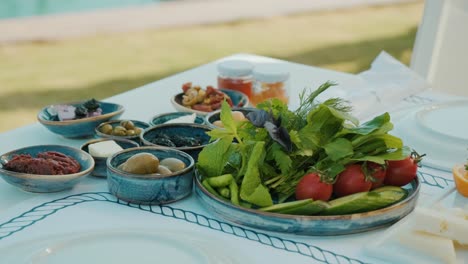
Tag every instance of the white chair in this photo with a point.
(440, 53)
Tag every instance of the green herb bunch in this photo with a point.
(268, 155)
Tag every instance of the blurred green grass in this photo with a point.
(39, 73)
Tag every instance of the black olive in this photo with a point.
(81, 112)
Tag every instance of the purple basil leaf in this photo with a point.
(279, 134)
(258, 117)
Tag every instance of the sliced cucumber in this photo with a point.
(301, 207)
(365, 201)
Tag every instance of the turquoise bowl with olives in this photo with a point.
(100, 167)
(121, 129)
(134, 175)
(172, 117)
(44, 182)
(80, 127)
(189, 138)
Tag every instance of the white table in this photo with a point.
(77, 214)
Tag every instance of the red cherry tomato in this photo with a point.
(310, 186)
(401, 172)
(351, 180)
(378, 173)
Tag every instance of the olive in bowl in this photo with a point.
(190, 138)
(150, 175)
(94, 148)
(118, 129)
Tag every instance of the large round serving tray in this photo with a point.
(309, 225)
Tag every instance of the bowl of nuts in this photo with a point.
(118, 129)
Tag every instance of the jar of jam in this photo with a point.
(236, 75)
(270, 81)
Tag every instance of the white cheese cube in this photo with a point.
(104, 149)
(442, 223)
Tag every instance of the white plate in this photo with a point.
(438, 130)
(120, 247)
(386, 247)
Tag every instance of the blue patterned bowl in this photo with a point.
(140, 124)
(47, 183)
(238, 100)
(187, 130)
(309, 225)
(79, 128)
(163, 118)
(150, 188)
(215, 116)
(100, 167)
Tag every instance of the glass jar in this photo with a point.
(270, 81)
(236, 75)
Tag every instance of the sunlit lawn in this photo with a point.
(35, 74)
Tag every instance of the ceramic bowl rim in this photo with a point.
(120, 110)
(202, 113)
(202, 126)
(102, 135)
(153, 176)
(408, 198)
(48, 177)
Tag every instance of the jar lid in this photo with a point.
(270, 73)
(235, 68)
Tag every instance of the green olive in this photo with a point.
(106, 129)
(131, 132)
(120, 128)
(137, 130)
(119, 133)
(173, 164)
(127, 124)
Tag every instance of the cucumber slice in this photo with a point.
(301, 207)
(365, 201)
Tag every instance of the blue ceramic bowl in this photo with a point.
(150, 188)
(163, 118)
(238, 100)
(215, 116)
(140, 124)
(47, 183)
(187, 130)
(100, 167)
(79, 128)
(309, 225)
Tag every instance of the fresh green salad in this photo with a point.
(316, 160)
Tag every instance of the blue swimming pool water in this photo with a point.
(26, 8)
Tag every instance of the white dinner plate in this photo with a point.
(439, 130)
(120, 247)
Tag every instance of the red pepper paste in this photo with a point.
(46, 163)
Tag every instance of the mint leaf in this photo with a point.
(227, 119)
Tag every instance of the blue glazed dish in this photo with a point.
(187, 130)
(150, 188)
(79, 128)
(238, 100)
(309, 225)
(140, 124)
(47, 183)
(100, 167)
(215, 116)
(163, 118)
